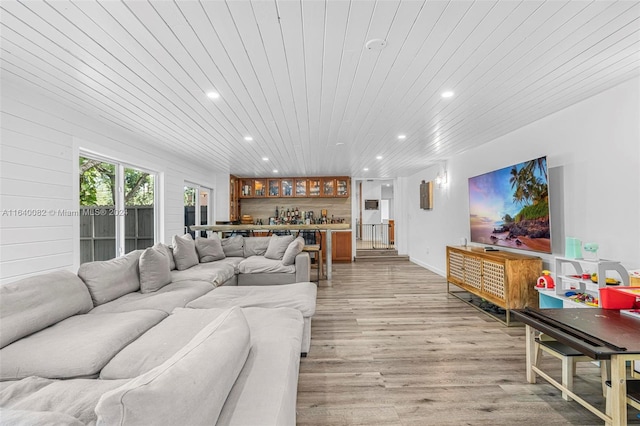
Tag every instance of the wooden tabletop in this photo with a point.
(599, 332)
(228, 228)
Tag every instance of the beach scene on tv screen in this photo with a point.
(510, 207)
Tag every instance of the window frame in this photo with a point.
(120, 167)
(210, 205)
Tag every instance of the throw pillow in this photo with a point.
(255, 246)
(184, 252)
(233, 246)
(277, 246)
(155, 270)
(169, 251)
(295, 247)
(209, 249)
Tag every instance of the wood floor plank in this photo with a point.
(390, 347)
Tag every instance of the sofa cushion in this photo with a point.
(209, 249)
(184, 252)
(233, 246)
(155, 269)
(169, 251)
(78, 346)
(159, 343)
(12, 417)
(215, 273)
(204, 371)
(260, 264)
(169, 297)
(266, 389)
(40, 401)
(110, 279)
(300, 296)
(233, 261)
(277, 246)
(293, 249)
(34, 303)
(255, 246)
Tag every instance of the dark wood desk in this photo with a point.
(602, 334)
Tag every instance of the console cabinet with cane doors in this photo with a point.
(503, 278)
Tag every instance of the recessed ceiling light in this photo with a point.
(275, 170)
(379, 157)
(388, 184)
(376, 44)
(447, 94)
(366, 169)
(402, 137)
(213, 95)
(265, 159)
(248, 138)
(339, 143)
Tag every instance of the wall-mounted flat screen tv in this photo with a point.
(510, 207)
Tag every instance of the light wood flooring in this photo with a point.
(390, 347)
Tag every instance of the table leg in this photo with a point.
(618, 390)
(329, 253)
(530, 347)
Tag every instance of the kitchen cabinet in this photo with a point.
(328, 187)
(274, 187)
(314, 187)
(286, 186)
(341, 251)
(301, 187)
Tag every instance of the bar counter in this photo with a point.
(327, 227)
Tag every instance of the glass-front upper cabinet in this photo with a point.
(260, 187)
(301, 188)
(274, 187)
(314, 187)
(328, 187)
(342, 187)
(246, 187)
(287, 187)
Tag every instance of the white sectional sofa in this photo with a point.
(115, 345)
(241, 260)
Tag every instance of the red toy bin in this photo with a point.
(620, 297)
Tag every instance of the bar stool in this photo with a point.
(316, 250)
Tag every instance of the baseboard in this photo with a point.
(429, 267)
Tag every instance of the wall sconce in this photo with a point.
(441, 179)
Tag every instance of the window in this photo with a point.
(197, 207)
(118, 211)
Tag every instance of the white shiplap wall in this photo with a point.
(592, 150)
(38, 170)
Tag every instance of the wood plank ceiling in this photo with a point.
(295, 75)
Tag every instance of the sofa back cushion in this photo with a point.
(203, 373)
(293, 249)
(209, 249)
(233, 246)
(34, 303)
(109, 279)
(277, 246)
(255, 246)
(184, 252)
(155, 270)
